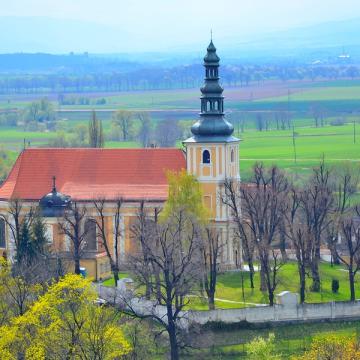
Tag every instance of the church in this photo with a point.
(55, 178)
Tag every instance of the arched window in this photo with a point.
(206, 157)
(2, 233)
(232, 157)
(90, 235)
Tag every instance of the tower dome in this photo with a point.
(212, 122)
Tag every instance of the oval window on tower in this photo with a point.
(206, 157)
(232, 156)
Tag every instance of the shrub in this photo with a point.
(335, 286)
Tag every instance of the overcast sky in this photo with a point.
(177, 22)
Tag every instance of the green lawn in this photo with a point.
(229, 285)
(229, 292)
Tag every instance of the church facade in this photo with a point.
(56, 178)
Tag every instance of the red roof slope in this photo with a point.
(87, 174)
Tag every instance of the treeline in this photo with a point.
(156, 78)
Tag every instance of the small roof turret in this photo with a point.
(54, 203)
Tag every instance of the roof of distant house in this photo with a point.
(89, 174)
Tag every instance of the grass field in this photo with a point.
(229, 293)
(335, 143)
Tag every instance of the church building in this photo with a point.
(54, 179)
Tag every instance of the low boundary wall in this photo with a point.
(287, 312)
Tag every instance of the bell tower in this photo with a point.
(212, 155)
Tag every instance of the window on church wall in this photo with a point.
(232, 156)
(90, 238)
(206, 158)
(2, 233)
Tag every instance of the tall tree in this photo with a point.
(123, 119)
(144, 134)
(96, 136)
(210, 250)
(172, 249)
(316, 203)
(102, 226)
(72, 226)
(350, 233)
(232, 198)
(263, 203)
(168, 132)
(298, 235)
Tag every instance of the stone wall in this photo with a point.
(279, 313)
(287, 310)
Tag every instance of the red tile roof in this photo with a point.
(87, 174)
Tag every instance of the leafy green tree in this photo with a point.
(262, 349)
(65, 323)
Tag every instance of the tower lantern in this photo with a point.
(212, 155)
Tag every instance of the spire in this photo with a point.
(212, 121)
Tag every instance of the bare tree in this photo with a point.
(210, 249)
(144, 134)
(350, 231)
(344, 189)
(270, 266)
(72, 226)
(142, 232)
(232, 198)
(173, 249)
(263, 204)
(167, 132)
(123, 119)
(298, 235)
(102, 234)
(316, 203)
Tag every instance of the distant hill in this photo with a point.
(323, 39)
(47, 35)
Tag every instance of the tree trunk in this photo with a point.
(252, 272)
(302, 277)
(352, 285)
(174, 350)
(271, 297)
(211, 301)
(334, 255)
(116, 276)
(77, 264)
(315, 287)
(263, 286)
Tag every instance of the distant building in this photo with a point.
(54, 179)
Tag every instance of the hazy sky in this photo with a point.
(178, 22)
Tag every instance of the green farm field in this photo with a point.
(334, 143)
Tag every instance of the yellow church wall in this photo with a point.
(220, 160)
(213, 160)
(209, 195)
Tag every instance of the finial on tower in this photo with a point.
(54, 184)
(211, 34)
